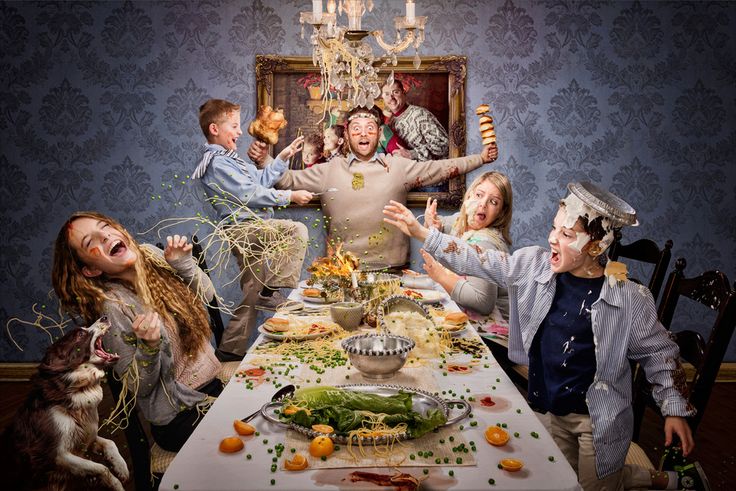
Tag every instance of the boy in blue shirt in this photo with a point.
(225, 176)
(577, 324)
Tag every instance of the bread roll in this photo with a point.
(488, 133)
(489, 140)
(456, 318)
(483, 108)
(486, 126)
(311, 292)
(276, 324)
(485, 119)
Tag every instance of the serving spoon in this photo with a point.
(282, 393)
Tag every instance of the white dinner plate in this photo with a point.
(428, 296)
(284, 336)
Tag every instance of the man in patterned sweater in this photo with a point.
(420, 134)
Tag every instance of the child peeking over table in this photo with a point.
(577, 325)
(312, 151)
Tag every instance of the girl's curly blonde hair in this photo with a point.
(503, 220)
(157, 286)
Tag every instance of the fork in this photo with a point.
(331, 190)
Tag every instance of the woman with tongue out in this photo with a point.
(483, 221)
(159, 325)
(577, 324)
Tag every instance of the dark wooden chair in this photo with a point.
(712, 290)
(646, 251)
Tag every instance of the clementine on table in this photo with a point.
(242, 428)
(496, 436)
(327, 429)
(511, 465)
(297, 463)
(231, 444)
(321, 446)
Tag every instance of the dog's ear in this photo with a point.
(90, 272)
(70, 351)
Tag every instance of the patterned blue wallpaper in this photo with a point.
(99, 105)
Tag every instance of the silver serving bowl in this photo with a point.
(378, 356)
(399, 303)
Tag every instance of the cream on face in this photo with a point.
(575, 208)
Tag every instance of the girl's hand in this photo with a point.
(489, 153)
(431, 220)
(292, 148)
(147, 327)
(404, 220)
(176, 248)
(678, 426)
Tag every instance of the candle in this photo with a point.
(317, 10)
(354, 279)
(410, 13)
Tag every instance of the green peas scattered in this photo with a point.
(516, 434)
(551, 458)
(491, 481)
(412, 457)
(249, 456)
(473, 423)
(534, 434)
(451, 473)
(438, 460)
(323, 458)
(459, 460)
(273, 481)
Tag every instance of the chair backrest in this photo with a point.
(646, 251)
(713, 290)
(213, 307)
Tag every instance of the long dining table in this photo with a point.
(457, 457)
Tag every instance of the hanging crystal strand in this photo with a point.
(417, 61)
(302, 31)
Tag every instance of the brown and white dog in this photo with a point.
(47, 442)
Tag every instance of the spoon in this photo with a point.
(331, 190)
(282, 393)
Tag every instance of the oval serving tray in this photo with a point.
(421, 402)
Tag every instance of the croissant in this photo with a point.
(267, 124)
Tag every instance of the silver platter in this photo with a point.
(422, 401)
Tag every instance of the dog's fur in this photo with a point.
(46, 443)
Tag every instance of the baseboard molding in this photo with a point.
(18, 372)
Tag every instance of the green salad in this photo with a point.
(347, 410)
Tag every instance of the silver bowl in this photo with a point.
(378, 356)
(399, 303)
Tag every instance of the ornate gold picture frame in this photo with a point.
(284, 81)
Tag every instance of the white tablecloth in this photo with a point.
(200, 466)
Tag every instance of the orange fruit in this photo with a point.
(242, 428)
(496, 436)
(327, 429)
(321, 446)
(511, 465)
(298, 463)
(289, 410)
(231, 444)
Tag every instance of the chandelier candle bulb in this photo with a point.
(410, 12)
(317, 10)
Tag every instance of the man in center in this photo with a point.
(364, 180)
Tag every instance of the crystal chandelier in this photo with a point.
(346, 59)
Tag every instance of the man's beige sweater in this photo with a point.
(355, 210)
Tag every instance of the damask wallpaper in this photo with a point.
(99, 111)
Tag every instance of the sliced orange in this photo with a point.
(321, 446)
(298, 463)
(496, 436)
(289, 410)
(511, 465)
(242, 428)
(231, 444)
(326, 429)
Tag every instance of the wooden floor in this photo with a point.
(715, 440)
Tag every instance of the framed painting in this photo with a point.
(292, 84)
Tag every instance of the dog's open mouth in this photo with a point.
(102, 354)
